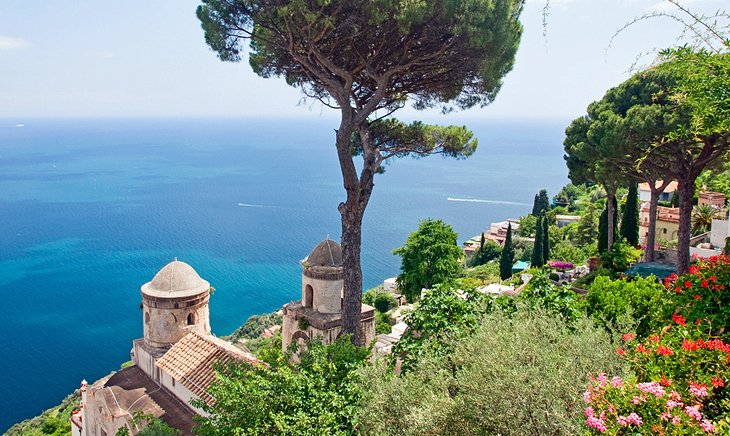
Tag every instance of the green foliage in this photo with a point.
(642, 298)
(54, 421)
(702, 217)
(567, 252)
(384, 301)
(430, 256)
(151, 426)
(383, 323)
(368, 297)
(537, 259)
(621, 256)
(442, 315)
(544, 295)
(255, 326)
(630, 218)
(527, 226)
(319, 396)
(546, 240)
(486, 252)
(485, 274)
(506, 259)
(515, 376)
(586, 230)
(541, 204)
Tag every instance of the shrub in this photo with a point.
(554, 277)
(512, 377)
(383, 323)
(702, 295)
(642, 298)
(255, 326)
(622, 256)
(384, 301)
(487, 273)
(542, 294)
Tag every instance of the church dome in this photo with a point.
(176, 279)
(327, 253)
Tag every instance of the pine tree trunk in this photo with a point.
(352, 292)
(651, 236)
(686, 192)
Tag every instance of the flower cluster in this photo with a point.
(646, 408)
(557, 264)
(701, 296)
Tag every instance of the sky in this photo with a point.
(86, 58)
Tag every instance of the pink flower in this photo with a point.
(638, 400)
(694, 412)
(698, 390)
(587, 396)
(653, 388)
(665, 416)
(676, 420)
(707, 426)
(596, 423)
(616, 382)
(589, 412)
(671, 404)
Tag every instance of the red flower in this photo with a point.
(654, 338)
(717, 382)
(704, 284)
(679, 319)
(642, 349)
(665, 381)
(620, 351)
(677, 289)
(698, 321)
(694, 269)
(689, 345)
(713, 278)
(688, 284)
(628, 336)
(663, 350)
(698, 297)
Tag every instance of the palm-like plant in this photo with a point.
(702, 217)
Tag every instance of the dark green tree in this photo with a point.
(603, 231)
(587, 229)
(537, 250)
(541, 204)
(366, 59)
(488, 251)
(545, 240)
(430, 256)
(630, 217)
(506, 259)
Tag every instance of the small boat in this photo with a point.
(20, 125)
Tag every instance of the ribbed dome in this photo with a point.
(326, 253)
(176, 279)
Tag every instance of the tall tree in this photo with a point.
(507, 257)
(429, 257)
(541, 204)
(587, 228)
(367, 59)
(545, 240)
(630, 217)
(603, 231)
(537, 251)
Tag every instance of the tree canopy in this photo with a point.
(367, 59)
(429, 257)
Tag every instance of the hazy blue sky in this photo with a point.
(148, 58)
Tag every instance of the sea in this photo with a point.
(91, 209)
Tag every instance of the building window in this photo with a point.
(191, 319)
(173, 381)
(308, 296)
(147, 317)
(665, 231)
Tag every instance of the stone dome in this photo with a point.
(327, 253)
(174, 280)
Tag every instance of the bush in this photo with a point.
(642, 298)
(554, 277)
(702, 295)
(487, 273)
(512, 377)
(568, 252)
(542, 294)
(369, 296)
(255, 326)
(384, 301)
(383, 323)
(622, 256)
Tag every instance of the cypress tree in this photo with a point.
(603, 231)
(537, 260)
(536, 206)
(630, 218)
(543, 201)
(545, 240)
(508, 253)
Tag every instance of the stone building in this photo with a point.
(172, 363)
(319, 312)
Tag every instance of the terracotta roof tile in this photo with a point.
(192, 360)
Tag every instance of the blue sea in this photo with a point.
(90, 209)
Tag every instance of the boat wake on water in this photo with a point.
(478, 200)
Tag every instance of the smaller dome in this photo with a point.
(176, 279)
(327, 253)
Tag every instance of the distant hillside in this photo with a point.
(54, 421)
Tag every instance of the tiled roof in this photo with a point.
(192, 360)
(671, 187)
